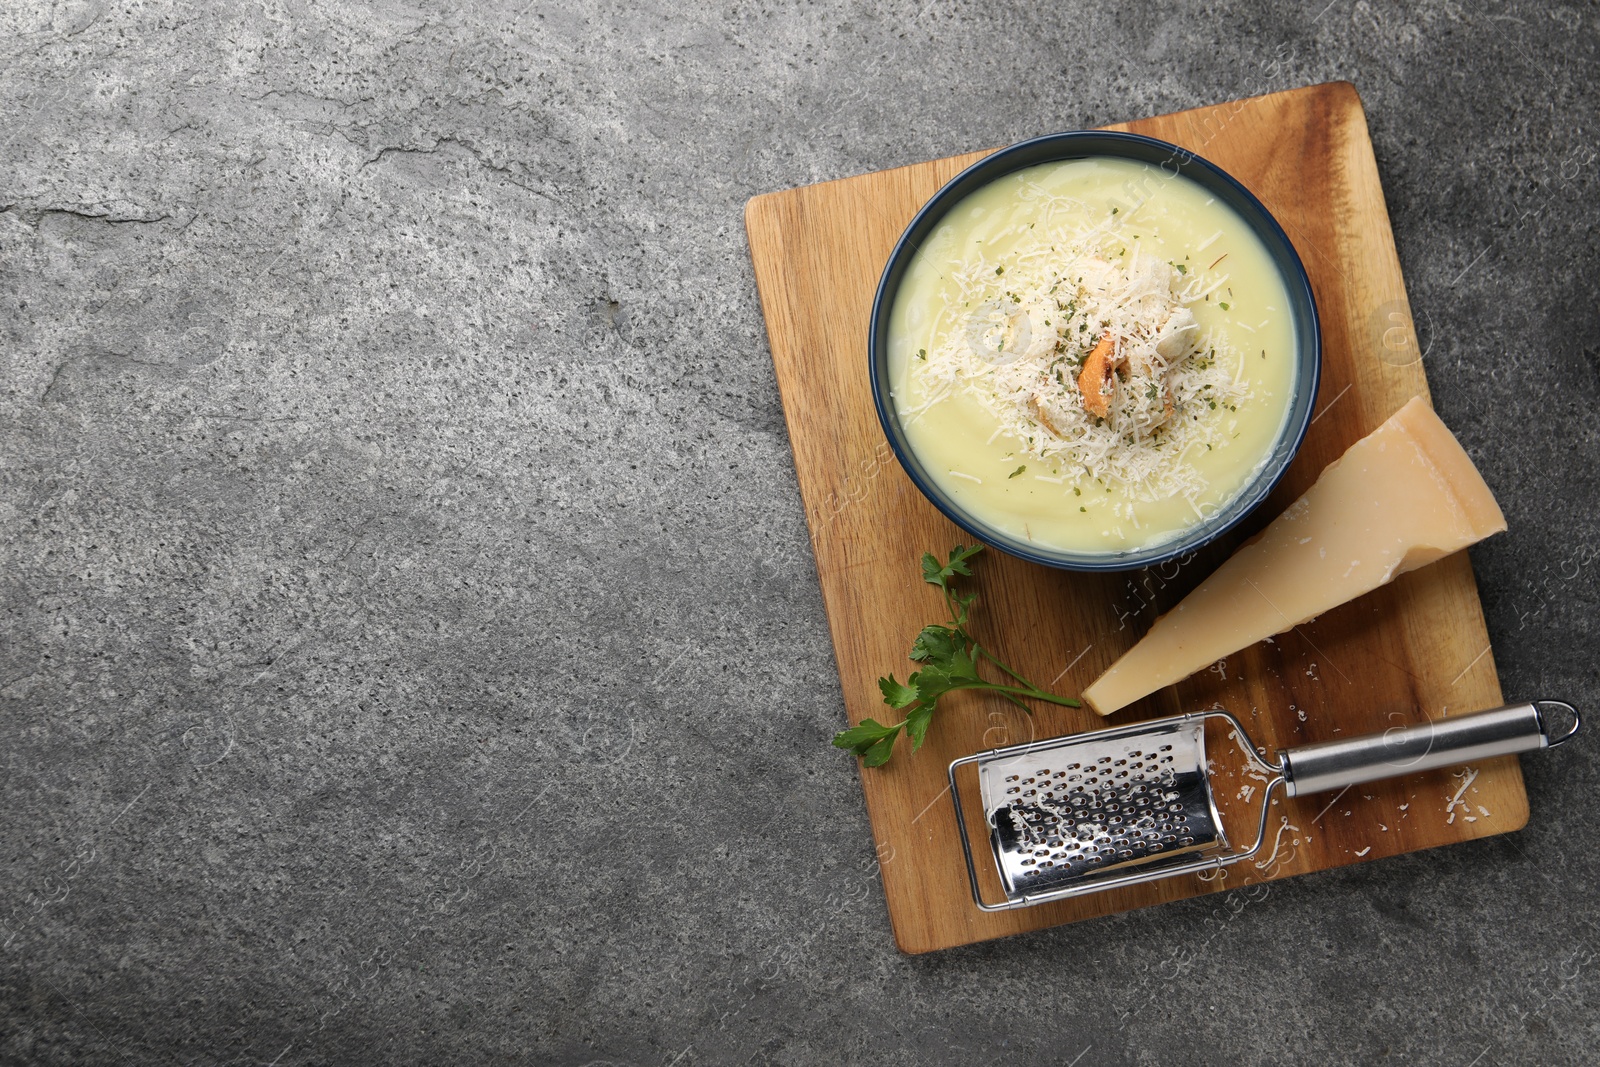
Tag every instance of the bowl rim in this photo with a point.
(1079, 144)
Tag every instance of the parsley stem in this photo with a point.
(1018, 703)
(986, 654)
(1025, 690)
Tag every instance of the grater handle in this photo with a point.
(1423, 747)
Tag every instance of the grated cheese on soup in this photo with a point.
(1027, 322)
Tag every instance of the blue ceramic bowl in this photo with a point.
(1173, 160)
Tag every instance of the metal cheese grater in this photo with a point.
(1118, 807)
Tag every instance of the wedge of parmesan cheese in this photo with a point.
(1399, 498)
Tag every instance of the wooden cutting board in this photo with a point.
(1415, 648)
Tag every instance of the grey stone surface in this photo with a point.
(411, 650)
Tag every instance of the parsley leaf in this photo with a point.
(896, 695)
(934, 643)
(879, 754)
(917, 725)
(939, 574)
(949, 659)
(863, 738)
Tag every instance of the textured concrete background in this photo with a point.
(411, 647)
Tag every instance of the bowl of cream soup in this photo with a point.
(1096, 351)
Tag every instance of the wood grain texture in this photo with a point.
(1415, 648)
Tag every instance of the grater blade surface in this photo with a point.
(1060, 812)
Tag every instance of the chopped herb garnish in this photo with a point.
(1016, 472)
(1223, 305)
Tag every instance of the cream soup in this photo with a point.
(1092, 355)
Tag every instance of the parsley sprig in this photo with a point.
(949, 658)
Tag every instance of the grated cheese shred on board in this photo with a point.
(1019, 338)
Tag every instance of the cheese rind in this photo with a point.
(1399, 498)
